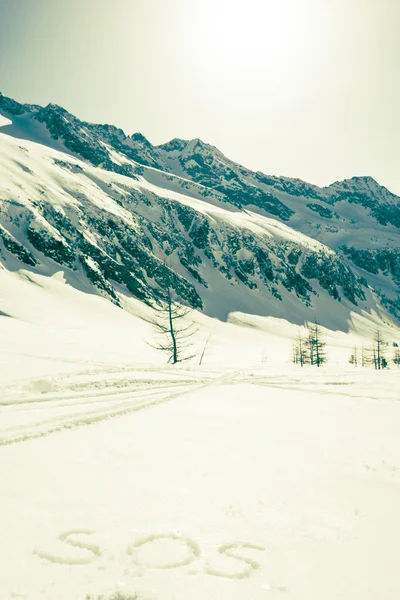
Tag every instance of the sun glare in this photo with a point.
(252, 34)
(239, 38)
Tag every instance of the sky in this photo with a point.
(302, 88)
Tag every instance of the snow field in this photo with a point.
(232, 491)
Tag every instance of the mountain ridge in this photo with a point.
(173, 144)
(264, 244)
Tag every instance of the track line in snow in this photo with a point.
(58, 413)
(106, 377)
(94, 392)
(52, 425)
(37, 429)
(315, 388)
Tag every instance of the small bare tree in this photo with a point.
(378, 351)
(353, 360)
(204, 350)
(173, 331)
(396, 357)
(316, 345)
(300, 354)
(363, 357)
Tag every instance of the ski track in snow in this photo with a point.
(92, 396)
(69, 403)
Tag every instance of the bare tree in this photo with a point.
(353, 360)
(204, 350)
(363, 357)
(396, 357)
(300, 349)
(173, 331)
(316, 345)
(378, 351)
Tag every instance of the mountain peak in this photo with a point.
(173, 145)
(362, 182)
(140, 139)
(53, 107)
(179, 144)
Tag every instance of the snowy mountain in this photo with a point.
(122, 217)
(236, 476)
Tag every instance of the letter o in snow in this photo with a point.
(193, 551)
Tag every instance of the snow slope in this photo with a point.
(245, 478)
(268, 484)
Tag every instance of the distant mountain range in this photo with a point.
(123, 217)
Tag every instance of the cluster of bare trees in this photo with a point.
(376, 356)
(175, 337)
(309, 349)
(359, 357)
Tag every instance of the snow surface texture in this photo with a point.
(263, 484)
(245, 478)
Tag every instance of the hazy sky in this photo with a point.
(304, 88)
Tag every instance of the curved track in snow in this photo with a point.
(90, 397)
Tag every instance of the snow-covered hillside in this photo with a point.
(225, 238)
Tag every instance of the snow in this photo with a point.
(245, 478)
(4, 121)
(244, 485)
(51, 326)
